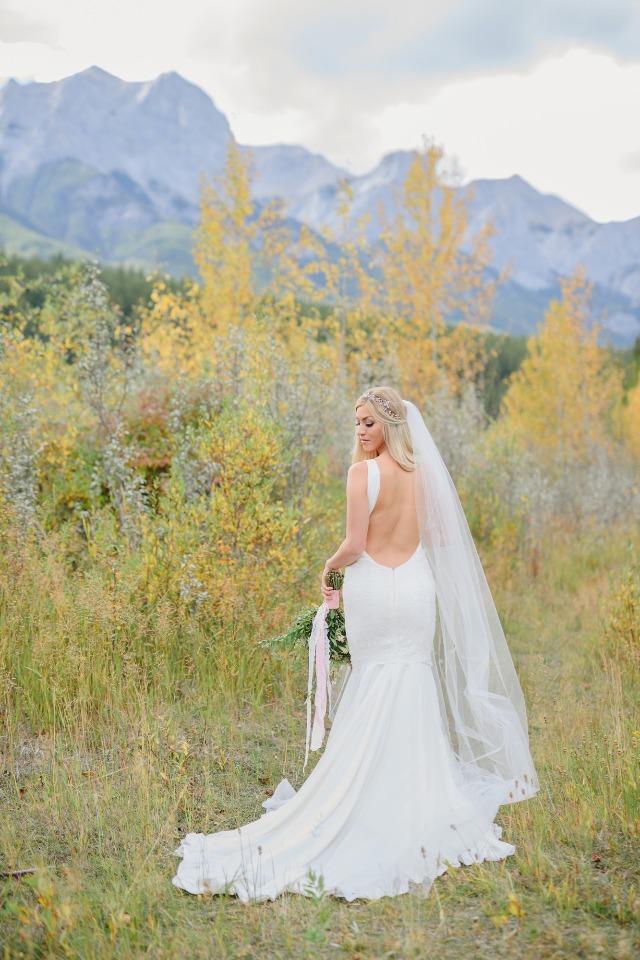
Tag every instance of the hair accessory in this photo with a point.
(385, 404)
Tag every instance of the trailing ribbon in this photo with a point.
(318, 659)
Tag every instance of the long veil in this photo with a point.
(480, 697)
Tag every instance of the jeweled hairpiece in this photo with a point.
(385, 404)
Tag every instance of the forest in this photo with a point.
(172, 465)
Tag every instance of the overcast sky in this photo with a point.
(548, 89)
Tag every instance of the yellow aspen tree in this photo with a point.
(225, 244)
(432, 269)
(356, 323)
(287, 265)
(561, 399)
(174, 332)
(463, 356)
(629, 421)
(249, 261)
(319, 285)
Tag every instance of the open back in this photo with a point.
(392, 537)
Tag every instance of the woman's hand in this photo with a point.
(326, 591)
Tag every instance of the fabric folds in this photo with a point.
(386, 809)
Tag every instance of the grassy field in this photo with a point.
(122, 731)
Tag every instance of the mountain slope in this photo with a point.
(18, 239)
(161, 135)
(115, 168)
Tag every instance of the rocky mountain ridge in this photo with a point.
(114, 168)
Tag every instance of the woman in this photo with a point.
(430, 736)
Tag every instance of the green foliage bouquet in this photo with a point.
(300, 631)
(334, 579)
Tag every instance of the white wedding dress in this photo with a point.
(385, 810)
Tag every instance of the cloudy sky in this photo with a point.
(548, 89)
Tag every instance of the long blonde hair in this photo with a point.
(395, 431)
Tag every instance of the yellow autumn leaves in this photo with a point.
(566, 399)
(282, 328)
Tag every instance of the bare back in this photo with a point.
(392, 536)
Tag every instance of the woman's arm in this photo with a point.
(357, 522)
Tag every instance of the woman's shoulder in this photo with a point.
(357, 477)
(358, 469)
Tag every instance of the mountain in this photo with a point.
(539, 237)
(115, 168)
(544, 238)
(97, 164)
(290, 173)
(144, 143)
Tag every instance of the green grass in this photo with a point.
(18, 239)
(125, 729)
(40, 195)
(166, 246)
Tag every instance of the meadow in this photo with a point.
(171, 482)
(132, 757)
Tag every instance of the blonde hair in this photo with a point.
(393, 421)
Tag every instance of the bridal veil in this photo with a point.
(480, 697)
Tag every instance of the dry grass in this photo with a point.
(111, 750)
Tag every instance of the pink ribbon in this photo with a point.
(334, 600)
(317, 734)
(318, 659)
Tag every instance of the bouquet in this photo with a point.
(334, 579)
(299, 634)
(321, 630)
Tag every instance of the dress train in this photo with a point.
(385, 810)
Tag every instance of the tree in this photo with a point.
(630, 420)
(561, 399)
(432, 270)
(225, 244)
(249, 261)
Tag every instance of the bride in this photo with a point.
(430, 735)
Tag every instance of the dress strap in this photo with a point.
(373, 482)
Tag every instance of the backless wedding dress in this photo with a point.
(386, 809)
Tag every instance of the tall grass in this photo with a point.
(124, 726)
